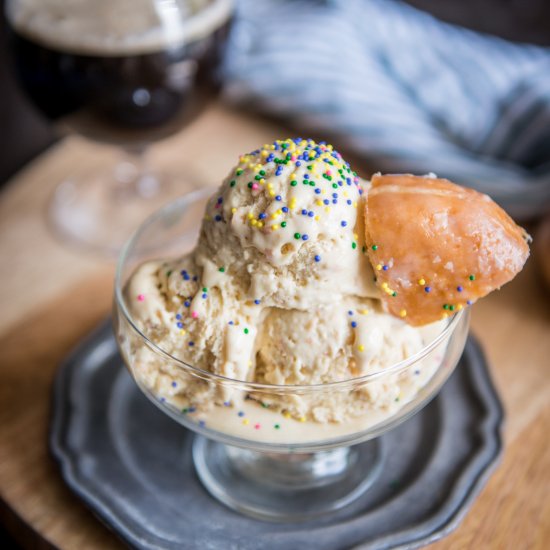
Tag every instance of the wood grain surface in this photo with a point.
(52, 296)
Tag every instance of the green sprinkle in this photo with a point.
(168, 273)
(185, 411)
(258, 177)
(262, 172)
(239, 172)
(374, 247)
(445, 306)
(205, 289)
(277, 427)
(354, 245)
(294, 183)
(452, 308)
(283, 224)
(297, 236)
(222, 270)
(335, 185)
(246, 331)
(305, 182)
(265, 405)
(363, 249)
(312, 183)
(310, 166)
(472, 277)
(249, 185)
(394, 294)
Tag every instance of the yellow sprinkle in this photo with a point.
(327, 208)
(317, 218)
(246, 422)
(272, 147)
(269, 185)
(251, 166)
(272, 193)
(354, 205)
(363, 311)
(319, 202)
(385, 286)
(274, 216)
(444, 315)
(379, 267)
(403, 313)
(274, 227)
(207, 218)
(260, 224)
(302, 418)
(233, 210)
(262, 181)
(421, 281)
(346, 194)
(459, 307)
(287, 415)
(183, 332)
(250, 363)
(293, 176)
(253, 222)
(361, 347)
(355, 236)
(250, 215)
(265, 153)
(279, 212)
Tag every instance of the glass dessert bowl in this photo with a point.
(283, 452)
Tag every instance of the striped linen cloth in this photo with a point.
(402, 89)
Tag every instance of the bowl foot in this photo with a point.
(290, 486)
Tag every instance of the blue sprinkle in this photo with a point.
(459, 288)
(191, 409)
(178, 316)
(270, 157)
(326, 201)
(417, 372)
(317, 191)
(348, 181)
(218, 218)
(195, 278)
(385, 267)
(334, 195)
(305, 237)
(162, 399)
(343, 223)
(205, 296)
(186, 303)
(340, 183)
(174, 384)
(202, 423)
(311, 213)
(231, 323)
(284, 209)
(262, 216)
(349, 201)
(298, 163)
(334, 201)
(304, 212)
(306, 176)
(354, 324)
(227, 403)
(469, 302)
(428, 288)
(179, 324)
(191, 343)
(220, 200)
(240, 413)
(360, 191)
(278, 198)
(257, 302)
(317, 258)
(350, 312)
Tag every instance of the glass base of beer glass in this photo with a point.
(286, 486)
(99, 211)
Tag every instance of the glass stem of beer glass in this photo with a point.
(133, 175)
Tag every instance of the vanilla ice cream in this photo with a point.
(278, 290)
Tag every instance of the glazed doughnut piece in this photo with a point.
(437, 247)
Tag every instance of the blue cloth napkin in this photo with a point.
(407, 92)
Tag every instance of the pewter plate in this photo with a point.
(132, 465)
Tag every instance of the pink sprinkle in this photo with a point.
(194, 314)
(255, 186)
(256, 426)
(293, 158)
(141, 297)
(328, 172)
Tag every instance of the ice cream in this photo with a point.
(279, 290)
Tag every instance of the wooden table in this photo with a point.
(52, 296)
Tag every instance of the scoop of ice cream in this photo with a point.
(287, 226)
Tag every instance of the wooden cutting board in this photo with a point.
(52, 296)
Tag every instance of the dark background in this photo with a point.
(24, 133)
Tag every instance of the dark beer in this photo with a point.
(125, 96)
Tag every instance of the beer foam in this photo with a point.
(117, 27)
